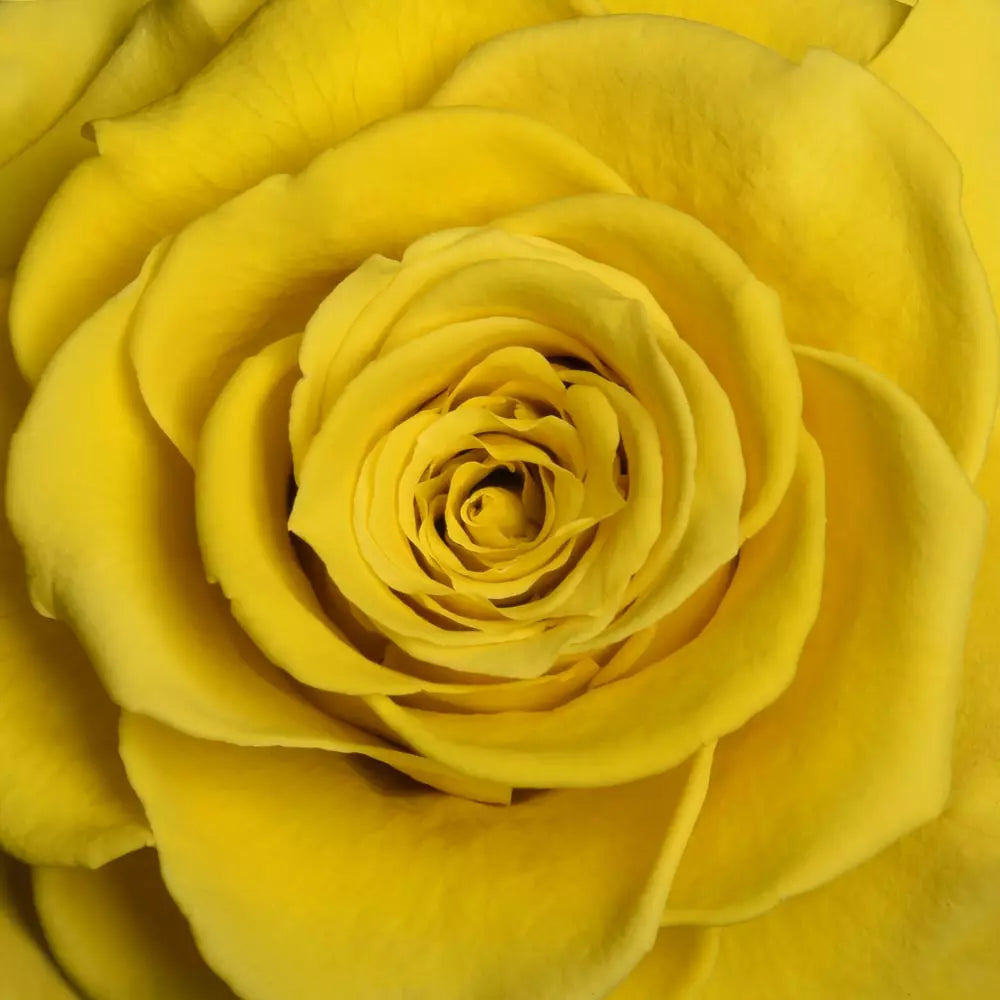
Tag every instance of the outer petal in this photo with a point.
(920, 920)
(26, 970)
(300, 77)
(832, 189)
(271, 254)
(857, 751)
(168, 41)
(118, 934)
(64, 798)
(675, 968)
(75, 35)
(946, 63)
(855, 29)
(114, 551)
(374, 890)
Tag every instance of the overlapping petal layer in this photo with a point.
(855, 29)
(58, 726)
(555, 897)
(301, 76)
(849, 204)
(89, 554)
(857, 751)
(650, 720)
(166, 42)
(920, 918)
(119, 936)
(25, 962)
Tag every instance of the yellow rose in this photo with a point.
(516, 477)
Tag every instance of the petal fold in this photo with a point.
(118, 934)
(65, 796)
(646, 722)
(300, 77)
(376, 890)
(833, 189)
(857, 752)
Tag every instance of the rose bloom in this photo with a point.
(497, 500)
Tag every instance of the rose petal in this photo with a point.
(732, 320)
(675, 968)
(855, 29)
(920, 919)
(301, 76)
(833, 190)
(642, 724)
(25, 962)
(857, 751)
(64, 793)
(119, 935)
(279, 247)
(344, 880)
(166, 43)
(115, 552)
(944, 61)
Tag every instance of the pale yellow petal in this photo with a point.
(643, 723)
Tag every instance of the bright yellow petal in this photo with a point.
(27, 971)
(104, 509)
(732, 320)
(833, 189)
(301, 76)
(118, 934)
(856, 752)
(351, 885)
(855, 29)
(76, 36)
(946, 63)
(646, 722)
(168, 41)
(65, 799)
(675, 968)
(919, 920)
(270, 255)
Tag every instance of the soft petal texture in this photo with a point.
(675, 968)
(649, 721)
(90, 544)
(732, 320)
(271, 254)
(857, 751)
(167, 42)
(849, 203)
(300, 77)
(946, 63)
(369, 887)
(58, 730)
(23, 962)
(119, 936)
(919, 920)
(75, 35)
(460, 316)
(855, 29)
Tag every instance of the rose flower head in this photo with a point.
(498, 500)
